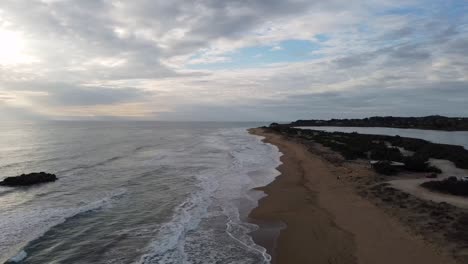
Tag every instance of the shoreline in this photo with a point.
(326, 220)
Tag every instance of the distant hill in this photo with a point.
(434, 122)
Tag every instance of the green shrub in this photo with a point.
(385, 168)
(385, 153)
(419, 164)
(450, 186)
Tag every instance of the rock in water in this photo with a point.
(29, 179)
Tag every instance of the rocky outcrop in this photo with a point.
(29, 179)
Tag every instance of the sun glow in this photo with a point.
(12, 49)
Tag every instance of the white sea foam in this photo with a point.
(20, 227)
(208, 227)
(160, 165)
(19, 257)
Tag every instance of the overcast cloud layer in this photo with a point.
(232, 60)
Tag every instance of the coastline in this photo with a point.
(326, 220)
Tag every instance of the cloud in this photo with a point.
(435, 98)
(69, 94)
(85, 96)
(137, 59)
(276, 47)
(14, 114)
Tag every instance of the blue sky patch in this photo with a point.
(257, 56)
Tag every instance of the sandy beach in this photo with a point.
(327, 221)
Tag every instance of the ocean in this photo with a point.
(133, 192)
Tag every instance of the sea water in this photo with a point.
(133, 192)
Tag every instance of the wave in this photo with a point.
(244, 239)
(26, 162)
(22, 227)
(169, 244)
(207, 227)
(39, 161)
(107, 161)
(217, 201)
(90, 166)
(140, 148)
(19, 257)
(79, 167)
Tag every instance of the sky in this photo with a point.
(236, 60)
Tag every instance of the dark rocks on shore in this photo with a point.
(29, 179)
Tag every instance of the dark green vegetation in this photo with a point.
(383, 148)
(29, 179)
(385, 168)
(428, 122)
(451, 186)
(418, 163)
(382, 152)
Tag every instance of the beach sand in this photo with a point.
(326, 221)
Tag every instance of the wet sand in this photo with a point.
(326, 221)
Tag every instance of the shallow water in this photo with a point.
(139, 192)
(444, 137)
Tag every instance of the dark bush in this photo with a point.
(385, 168)
(385, 153)
(459, 230)
(452, 179)
(426, 122)
(354, 145)
(419, 164)
(451, 186)
(456, 154)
